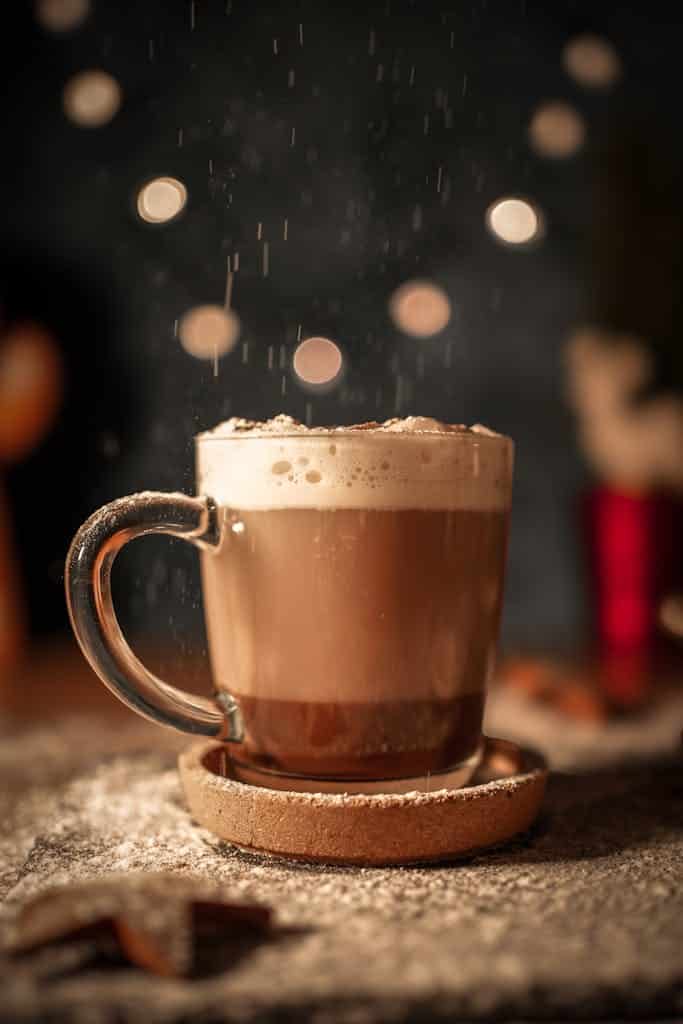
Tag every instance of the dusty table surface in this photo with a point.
(582, 918)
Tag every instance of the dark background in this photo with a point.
(75, 255)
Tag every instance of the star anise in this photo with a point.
(167, 924)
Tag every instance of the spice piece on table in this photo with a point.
(159, 922)
(551, 683)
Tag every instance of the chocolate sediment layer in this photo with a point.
(386, 740)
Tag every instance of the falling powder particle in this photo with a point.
(228, 286)
(397, 401)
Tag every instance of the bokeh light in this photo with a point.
(592, 61)
(671, 614)
(207, 332)
(557, 130)
(514, 221)
(61, 15)
(317, 361)
(420, 308)
(161, 200)
(91, 98)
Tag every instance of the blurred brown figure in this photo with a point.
(30, 394)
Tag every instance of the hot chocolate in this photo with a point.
(352, 606)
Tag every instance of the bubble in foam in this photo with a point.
(313, 476)
(281, 467)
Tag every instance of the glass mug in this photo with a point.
(352, 585)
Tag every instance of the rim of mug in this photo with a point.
(326, 433)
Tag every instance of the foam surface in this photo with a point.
(417, 462)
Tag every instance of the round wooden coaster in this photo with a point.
(367, 829)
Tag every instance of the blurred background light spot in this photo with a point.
(592, 61)
(420, 308)
(317, 361)
(209, 331)
(557, 130)
(91, 98)
(161, 200)
(61, 15)
(671, 614)
(514, 221)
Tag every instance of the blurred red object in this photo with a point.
(635, 549)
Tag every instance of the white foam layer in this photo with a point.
(412, 463)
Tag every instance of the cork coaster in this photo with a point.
(367, 829)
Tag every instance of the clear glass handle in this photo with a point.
(88, 593)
